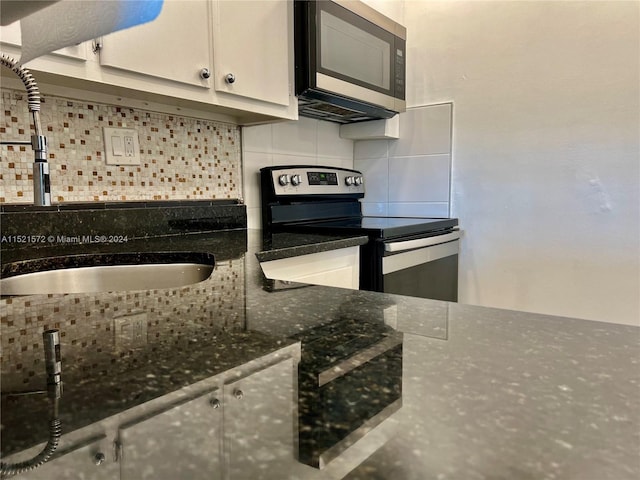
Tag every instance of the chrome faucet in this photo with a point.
(41, 184)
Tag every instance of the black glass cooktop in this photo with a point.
(383, 227)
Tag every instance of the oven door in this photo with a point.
(423, 267)
(339, 405)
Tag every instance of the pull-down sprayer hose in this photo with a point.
(41, 183)
(55, 432)
(53, 365)
(33, 94)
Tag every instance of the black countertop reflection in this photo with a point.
(486, 393)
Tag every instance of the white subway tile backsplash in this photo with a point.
(296, 137)
(371, 149)
(252, 163)
(303, 142)
(372, 209)
(419, 179)
(297, 159)
(330, 144)
(409, 176)
(254, 217)
(257, 138)
(336, 162)
(376, 178)
(423, 131)
(419, 209)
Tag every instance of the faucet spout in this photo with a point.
(41, 182)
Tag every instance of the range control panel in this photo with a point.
(309, 180)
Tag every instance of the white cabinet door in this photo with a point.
(260, 415)
(175, 46)
(334, 268)
(181, 442)
(92, 459)
(251, 40)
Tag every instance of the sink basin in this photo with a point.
(105, 272)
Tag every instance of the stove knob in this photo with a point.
(349, 181)
(283, 180)
(358, 180)
(296, 180)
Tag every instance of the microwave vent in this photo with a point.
(323, 110)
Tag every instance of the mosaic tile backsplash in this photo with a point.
(114, 329)
(181, 157)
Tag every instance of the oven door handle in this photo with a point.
(420, 242)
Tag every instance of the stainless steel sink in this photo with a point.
(102, 273)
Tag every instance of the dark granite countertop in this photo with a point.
(485, 393)
(284, 245)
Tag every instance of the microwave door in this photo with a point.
(347, 89)
(350, 61)
(354, 57)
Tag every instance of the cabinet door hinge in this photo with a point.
(117, 451)
(96, 45)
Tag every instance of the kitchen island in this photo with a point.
(476, 392)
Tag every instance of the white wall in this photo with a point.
(393, 9)
(303, 142)
(545, 173)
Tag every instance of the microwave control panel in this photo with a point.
(399, 70)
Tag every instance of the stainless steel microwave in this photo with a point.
(350, 61)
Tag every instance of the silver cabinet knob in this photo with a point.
(238, 394)
(205, 73)
(295, 180)
(99, 458)
(230, 78)
(214, 402)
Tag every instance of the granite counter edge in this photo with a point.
(298, 250)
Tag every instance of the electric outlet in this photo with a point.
(130, 331)
(121, 146)
(129, 149)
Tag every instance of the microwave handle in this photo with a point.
(420, 242)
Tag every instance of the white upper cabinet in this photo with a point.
(175, 46)
(183, 59)
(251, 49)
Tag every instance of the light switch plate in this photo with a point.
(121, 146)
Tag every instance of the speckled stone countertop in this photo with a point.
(485, 393)
(284, 245)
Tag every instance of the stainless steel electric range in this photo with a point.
(408, 256)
